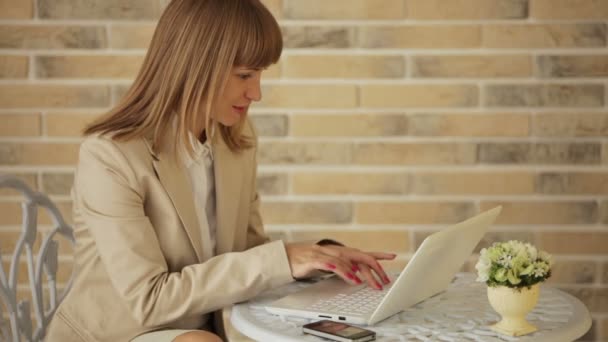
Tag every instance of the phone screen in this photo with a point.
(339, 329)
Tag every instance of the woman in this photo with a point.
(165, 202)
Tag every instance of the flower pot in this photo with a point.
(513, 304)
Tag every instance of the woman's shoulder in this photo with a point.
(105, 145)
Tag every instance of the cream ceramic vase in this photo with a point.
(513, 305)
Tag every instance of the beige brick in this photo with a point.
(13, 66)
(38, 154)
(552, 95)
(318, 36)
(275, 7)
(472, 66)
(344, 66)
(467, 9)
(315, 96)
(34, 96)
(389, 241)
(360, 125)
(473, 183)
(535, 212)
(605, 275)
(430, 96)
(304, 153)
(16, 9)
(573, 272)
(540, 153)
(306, 212)
(52, 37)
(604, 329)
(344, 9)
(583, 153)
(573, 66)
(498, 236)
(270, 125)
(67, 124)
(349, 183)
(30, 180)
(569, 9)
(10, 213)
(57, 183)
(503, 153)
(414, 153)
(20, 125)
(412, 212)
(488, 239)
(133, 36)
(420, 36)
(544, 35)
(576, 183)
(605, 153)
(469, 125)
(595, 299)
(88, 66)
(272, 183)
(571, 124)
(93, 9)
(273, 71)
(604, 212)
(64, 271)
(118, 92)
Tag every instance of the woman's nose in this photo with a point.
(254, 92)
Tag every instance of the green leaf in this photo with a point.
(513, 279)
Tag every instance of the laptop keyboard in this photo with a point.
(360, 302)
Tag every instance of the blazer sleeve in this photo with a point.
(110, 199)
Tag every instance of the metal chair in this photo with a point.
(20, 323)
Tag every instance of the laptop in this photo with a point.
(428, 273)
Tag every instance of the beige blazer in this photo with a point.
(139, 248)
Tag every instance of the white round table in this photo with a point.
(461, 313)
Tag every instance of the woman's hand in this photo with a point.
(349, 264)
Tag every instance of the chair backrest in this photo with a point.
(20, 323)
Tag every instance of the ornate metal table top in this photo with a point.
(461, 313)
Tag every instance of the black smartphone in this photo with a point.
(338, 331)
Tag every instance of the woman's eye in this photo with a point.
(244, 76)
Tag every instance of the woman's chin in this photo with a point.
(232, 120)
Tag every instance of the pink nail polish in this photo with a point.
(331, 266)
(350, 276)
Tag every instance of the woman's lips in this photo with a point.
(239, 109)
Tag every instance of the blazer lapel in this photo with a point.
(228, 180)
(175, 180)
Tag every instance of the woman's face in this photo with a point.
(243, 87)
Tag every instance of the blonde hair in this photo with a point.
(194, 48)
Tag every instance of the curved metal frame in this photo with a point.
(20, 321)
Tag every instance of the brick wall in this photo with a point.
(385, 119)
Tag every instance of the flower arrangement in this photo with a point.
(513, 264)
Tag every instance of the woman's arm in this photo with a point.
(111, 201)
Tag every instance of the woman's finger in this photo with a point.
(366, 273)
(337, 266)
(382, 256)
(356, 256)
(363, 258)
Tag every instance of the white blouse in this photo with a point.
(202, 179)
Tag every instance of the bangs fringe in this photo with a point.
(262, 43)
